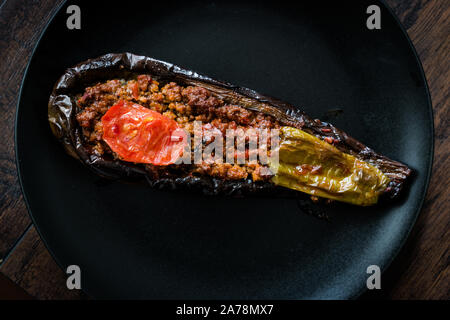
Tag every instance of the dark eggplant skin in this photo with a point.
(62, 109)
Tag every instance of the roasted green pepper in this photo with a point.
(311, 165)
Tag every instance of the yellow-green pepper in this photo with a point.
(311, 165)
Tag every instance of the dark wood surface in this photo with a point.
(421, 271)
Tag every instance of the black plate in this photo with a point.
(134, 242)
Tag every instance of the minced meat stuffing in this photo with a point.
(182, 104)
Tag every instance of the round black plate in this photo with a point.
(134, 242)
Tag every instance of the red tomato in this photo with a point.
(141, 135)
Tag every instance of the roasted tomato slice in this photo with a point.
(141, 135)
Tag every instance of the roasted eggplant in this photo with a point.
(116, 113)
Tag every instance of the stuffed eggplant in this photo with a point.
(130, 117)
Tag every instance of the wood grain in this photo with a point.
(422, 268)
(23, 258)
(421, 271)
(32, 268)
(11, 291)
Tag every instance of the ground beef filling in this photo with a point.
(182, 104)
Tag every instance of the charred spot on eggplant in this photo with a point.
(90, 100)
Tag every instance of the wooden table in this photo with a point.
(421, 271)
